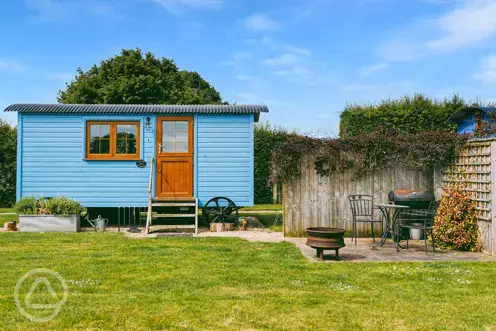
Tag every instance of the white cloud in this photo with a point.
(471, 23)
(298, 50)
(260, 22)
(369, 70)
(282, 61)
(13, 65)
(177, 6)
(294, 71)
(252, 81)
(58, 10)
(488, 71)
(61, 76)
(465, 23)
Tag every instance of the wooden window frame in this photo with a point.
(188, 119)
(113, 156)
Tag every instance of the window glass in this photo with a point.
(175, 137)
(182, 136)
(126, 139)
(181, 147)
(100, 139)
(167, 126)
(181, 126)
(109, 140)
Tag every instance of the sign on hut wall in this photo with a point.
(314, 200)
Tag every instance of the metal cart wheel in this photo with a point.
(220, 210)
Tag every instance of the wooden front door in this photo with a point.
(174, 171)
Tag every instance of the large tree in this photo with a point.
(136, 78)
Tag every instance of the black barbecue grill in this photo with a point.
(418, 201)
(420, 215)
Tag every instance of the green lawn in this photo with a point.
(221, 283)
(263, 207)
(7, 218)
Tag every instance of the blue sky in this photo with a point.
(305, 59)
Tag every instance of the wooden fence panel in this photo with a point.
(314, 200)
(474, 169)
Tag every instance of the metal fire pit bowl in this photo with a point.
(322, 239)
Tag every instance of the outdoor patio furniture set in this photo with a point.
(406, 212)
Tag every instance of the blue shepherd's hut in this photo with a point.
(472, 119)
(135, 156)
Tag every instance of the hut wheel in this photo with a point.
(220, 210)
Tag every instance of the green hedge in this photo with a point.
(407, 114)
(267, 138)
(8, 148)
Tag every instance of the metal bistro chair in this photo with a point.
(362, 210)
(420, 220)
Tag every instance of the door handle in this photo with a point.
(160, 147)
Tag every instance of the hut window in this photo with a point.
(112, 141)
(175, 137)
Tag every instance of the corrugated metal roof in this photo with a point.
(467, 110)
(138, 109)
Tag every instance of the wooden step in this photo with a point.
(172, 215)
(172, 199)
(174, 204)
(169, 227)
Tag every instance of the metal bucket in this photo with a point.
(99, 223)
(417, 234)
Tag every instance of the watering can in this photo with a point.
(99, 223)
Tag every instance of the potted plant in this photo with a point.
(60, 214)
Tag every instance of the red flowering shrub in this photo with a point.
(455, 225)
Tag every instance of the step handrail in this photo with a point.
(149, 213)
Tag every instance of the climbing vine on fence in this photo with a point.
(267, 138)
(365, 153)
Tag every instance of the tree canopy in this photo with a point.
(137, 78)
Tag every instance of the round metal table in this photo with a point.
(389, 222)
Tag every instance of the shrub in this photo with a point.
(406, 115)
(64, 206)
(8, 148)
(455, 224)
(27, 206)
(55, 206)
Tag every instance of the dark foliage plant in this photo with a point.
(406, 115)
(8, 150)
(266, 139)
(365, 153)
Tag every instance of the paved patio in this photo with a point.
(361, 252)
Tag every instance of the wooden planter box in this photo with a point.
(221, 227)
(49, 223)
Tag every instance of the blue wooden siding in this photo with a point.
(224, 158)
(52, 154)
(52, 150)
(467, 124)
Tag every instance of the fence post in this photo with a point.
(274, 194)
(492, 232)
